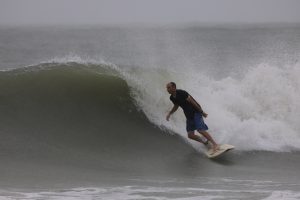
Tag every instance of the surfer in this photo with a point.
(193, 113)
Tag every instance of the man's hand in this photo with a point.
(168, 117)
(175, 107)
(204, 114)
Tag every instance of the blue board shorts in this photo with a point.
(196, 123)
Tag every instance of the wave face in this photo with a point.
(101, 107)
(79, 114)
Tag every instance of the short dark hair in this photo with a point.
(173, 84)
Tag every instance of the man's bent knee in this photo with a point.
(202, 132)
(192, 135)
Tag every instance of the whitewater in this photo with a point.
(83, 112)
(258, 111)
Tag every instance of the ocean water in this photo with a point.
(82, 112)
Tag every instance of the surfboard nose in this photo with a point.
(222, 149)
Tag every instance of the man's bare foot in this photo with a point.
(216, 147)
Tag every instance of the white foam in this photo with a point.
(283, 195)
(113, 193)
(258, 111)
(131, 192)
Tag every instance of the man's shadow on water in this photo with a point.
(196, 164)
(199, 158)
(227, 160)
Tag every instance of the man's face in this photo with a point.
(171, 89)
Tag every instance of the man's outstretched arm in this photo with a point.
(175, 107)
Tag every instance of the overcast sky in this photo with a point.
(147, 11)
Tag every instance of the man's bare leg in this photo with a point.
(197, 138)
(215, 146)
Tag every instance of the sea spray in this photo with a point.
(259, 110)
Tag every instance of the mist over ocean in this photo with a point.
(82, 112)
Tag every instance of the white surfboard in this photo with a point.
(222, 149)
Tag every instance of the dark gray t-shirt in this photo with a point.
(180, 100)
